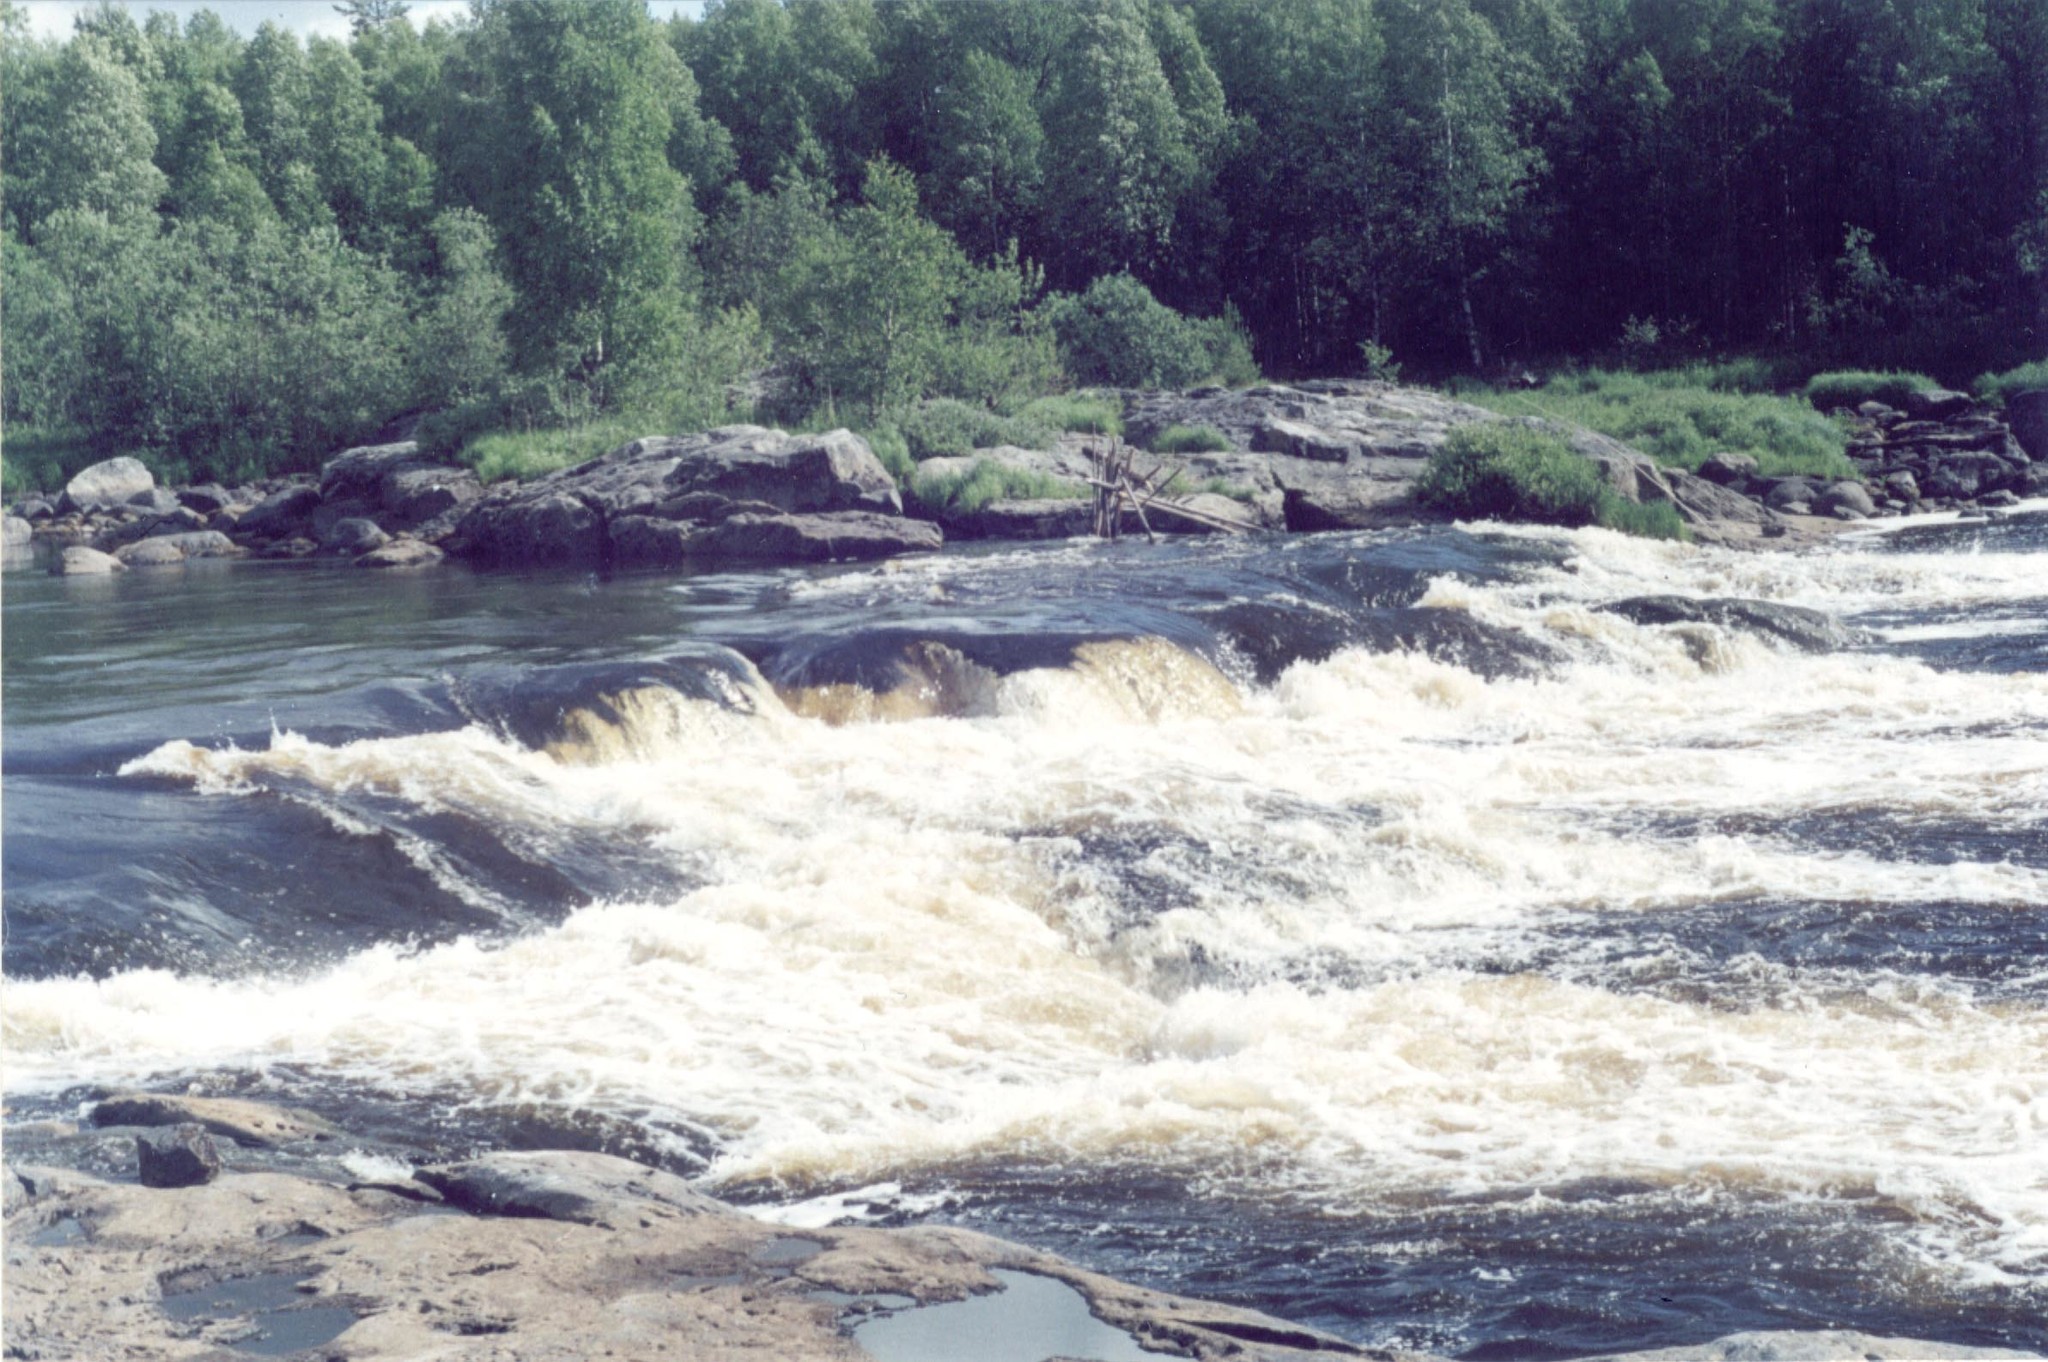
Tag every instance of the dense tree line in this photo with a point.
(225, 249)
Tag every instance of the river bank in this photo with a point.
(1320, 456)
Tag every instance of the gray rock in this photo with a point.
(358, 474)
(256, 1125)
(1729, 469)
(106, 484)
(1875, 411)
(177, 1156)
(150, 553)
(837, 537)
(80, 561)
(1808, 630)
(1303, 441)
(177, 520)
(35, 508)
(156, 501)
(1032, 518)
(546, 528)
(1787, 492)
(1937, 404)
(1845, 496)
(16, 532)
(281, 513)
(354, 536)
(584, 1189)
(1903, 485)
(643, 541)
(1998, 500)
(2027, 414)
(206, 498)
(402, 553)
(414, 496)
(1708, 506)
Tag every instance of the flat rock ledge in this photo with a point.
(310, 1244)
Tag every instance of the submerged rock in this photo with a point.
(80, 561)
(1809, 630)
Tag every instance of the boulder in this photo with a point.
(354, 536)
(414, 496)
(177, 1156)
(1729, 469)
(645, 541)
(402, 553)
(582, 1188)
(836, 537)
(206, 498)
(177, 520)
(2027, 414)
(80, 561)
(1845, 495)
(199, 543)
(156, 501)
(1937, 404)
(150, 553)
(15, 532)
(1303, 441)
(107, 484)
(1788, 492)
(35, 508)
(1808, 630)
(1903, 485)
(548, 528)
(281, 513)
(358, 474)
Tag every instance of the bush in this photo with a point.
(1504, 471)
(44, 460)
(1076, 414)
(1680, 423)
(525, 454)
(1647, 520)
(893, 450)
(946, 427)
(1853, 387)
(1190, 440)
(989, 481)
(1998, 387)
(1118, 335)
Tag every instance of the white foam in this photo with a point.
(910, 955)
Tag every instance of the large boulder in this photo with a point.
(358, 474)
(757, 494)
(414, 496)
(108, 484)
(282, 513)
(176, 1156)
(2027, 414)
(80, 561)
(150, 553)
(1937, 404)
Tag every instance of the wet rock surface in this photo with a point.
(307, 1243)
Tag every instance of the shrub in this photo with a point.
(1998, 387)
(1117, 334)
(43, 460)
(1505, 471)
(525, 454)
(1853, 387)
(893, 450)
(946, 427)
(1076, 414)
(989, 480)
(1648, 520)
(1190, 440)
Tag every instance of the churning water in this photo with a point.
(1368, 928)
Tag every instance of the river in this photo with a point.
(1365, 928)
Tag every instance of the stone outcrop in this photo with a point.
(735, 494)
(1943, 452)
(285, 1243)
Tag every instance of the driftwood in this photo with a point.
(1115, 488)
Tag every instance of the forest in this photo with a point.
(234, 256)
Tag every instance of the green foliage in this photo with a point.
(1190, 440)
(2021, 378)
(1376, 361)
(894, 452)
(947, 427)
(1118, 335)
(1853, 387)
(987, 481)
(1076, 414)
(1646, 520)
(526, 454)
(1507, 471)
(1680, 424)
(43, 460)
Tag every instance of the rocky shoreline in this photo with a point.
(169, 1226)
(1320, 455)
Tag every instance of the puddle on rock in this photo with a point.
(786, 1251)
(280, 1320)
(58, 1234)
(1031, 1319)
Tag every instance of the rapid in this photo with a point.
(1369, 928)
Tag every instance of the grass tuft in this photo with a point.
(1998, 387)
(1075, 414)
(989, 480)
(1853, 387)
(1190, 440)
(1504, 471)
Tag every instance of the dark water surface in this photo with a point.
(1364, 928)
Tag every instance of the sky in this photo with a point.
(52, 18)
